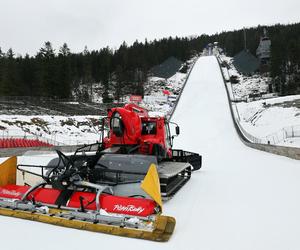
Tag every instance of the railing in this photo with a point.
(242, 133)
(79, 141)
(16, 134)
(183, 86)
(246, 134)
(283, 134)
(11, 134)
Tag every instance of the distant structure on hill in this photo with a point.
(245, 62)
(263, 52)
(167, 69)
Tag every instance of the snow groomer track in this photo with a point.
(240, 199)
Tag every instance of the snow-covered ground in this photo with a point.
(155, 100)
(246, 85)
(73, 130)
(59, 130)
(268, 118)
(273, 119)
(241, 198)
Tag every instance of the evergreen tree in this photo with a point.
(1, 70)
(64, 72)
(120, 82)
(28, 76)
(47, 71)
(9, 83)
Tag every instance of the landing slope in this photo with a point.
(243, 198)
(240, 199)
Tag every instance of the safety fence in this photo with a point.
(22, 143)
(242, 133)
(53, 138)
(19, 134)
(17, 143)
(283, 134)
(235, 112)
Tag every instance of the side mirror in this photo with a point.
(177, 130)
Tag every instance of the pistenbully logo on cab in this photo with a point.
(128, 208)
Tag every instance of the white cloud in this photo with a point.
(26, 25)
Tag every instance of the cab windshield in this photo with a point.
(148, 128)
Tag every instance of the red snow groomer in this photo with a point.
(133, 132)
(115, 186)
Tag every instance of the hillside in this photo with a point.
(73, 123)
(271, 118)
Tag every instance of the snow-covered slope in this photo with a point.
(245, 85)
(264, 115)
(58, 130)
(240, 199)
(272, 118)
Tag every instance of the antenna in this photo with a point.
(245, 39)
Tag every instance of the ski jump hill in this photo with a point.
(241, 199)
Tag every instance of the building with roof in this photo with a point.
(167, 69)
(245, 62)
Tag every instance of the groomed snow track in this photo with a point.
(241, 198)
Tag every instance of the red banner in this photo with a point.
(166, 92)
(135, 98)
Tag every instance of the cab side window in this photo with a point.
(168, 136)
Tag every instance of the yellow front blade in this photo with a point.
(151, 185)
(162, 231)
(8, 170)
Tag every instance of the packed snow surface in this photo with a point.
(240, 199)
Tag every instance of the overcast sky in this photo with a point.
(26, 24)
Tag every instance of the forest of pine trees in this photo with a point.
(56, 74)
